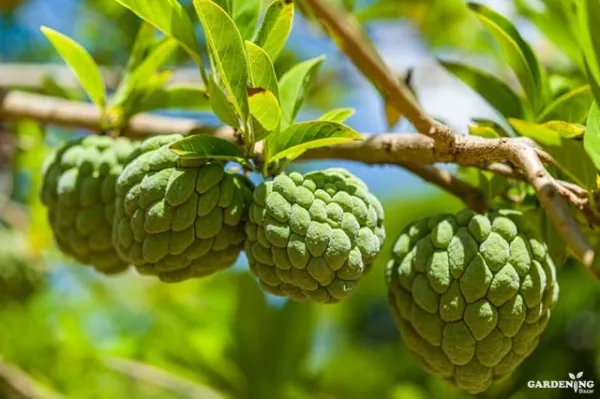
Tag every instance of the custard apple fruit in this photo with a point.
(313, 236)
(79, 191)
(471, 294)
(178, 222)
(20, 276)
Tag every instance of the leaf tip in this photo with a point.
(47, 30)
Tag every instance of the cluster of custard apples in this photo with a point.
(471, 293)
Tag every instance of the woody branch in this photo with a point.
(448, 146)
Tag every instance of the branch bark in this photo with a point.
(409, 151)
(413, 152)
(448, 145)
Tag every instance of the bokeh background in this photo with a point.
(76, 334)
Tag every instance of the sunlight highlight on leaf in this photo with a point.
(227, 51)
(205, 146)
(296, 139)
(169, 17)
(81, 63)
(276, 27)
(293, 87)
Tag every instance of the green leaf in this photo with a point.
(144, 42)
(174, 97)
(337, 115)
(296, 139)
(349, 4)
(493, 90)
(221, 105)
(154, 61)
(392, 115)
(483, 131)
(500, 131)
(205, 146)
(127, 105)
(226, 5)
(594, 84)
(169, 17)
(245, 14)
(592, 135)
(491, 184)
(556, 22)
(262, 72)
(571, 107)
(81, 63)
(589, 15)
(265, 112)
(276, 27)
(569, 153)
(227, 51)
(140, 76)
(293, 87)
(487, 129)
(565, 129)
(517, 52)
(50, 87)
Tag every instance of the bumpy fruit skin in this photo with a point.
(20, 278)
(471, 294)
(179, 222)
(313, 236)
(79, 191)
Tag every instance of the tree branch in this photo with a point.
(404, 150)
(31, 76)
(411, 151)
(572, 193)
(449, 146)
(149, 374)
(16, 384)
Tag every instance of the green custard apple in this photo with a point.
(313, 236)
(471, 294)
(20, 276)
(79, 191)
(178, 222)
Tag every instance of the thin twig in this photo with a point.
(572, 193)
(452, 147)
(16, 384)
(508, 171)
(150, 374)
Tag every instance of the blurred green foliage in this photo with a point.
(222, 335)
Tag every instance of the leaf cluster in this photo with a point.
(553, 115)
(240, 83)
